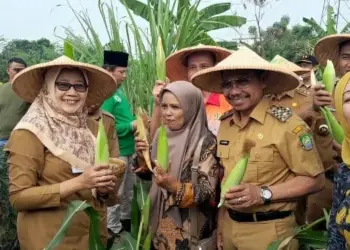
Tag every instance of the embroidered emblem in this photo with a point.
(298, 129)
(223, 142)
(280, 113)
(306, 141)
(260, 136)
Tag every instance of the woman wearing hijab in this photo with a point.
(176, 196)
(339, 226)
(51, 153)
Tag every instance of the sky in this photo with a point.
(34, 19)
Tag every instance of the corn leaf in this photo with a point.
(142, 190)
(148, 241)
(126, 242)
(102, 151)
(95, 242)
(163, 149)
(135, 214)
(68, 49)
(146, 213)
(73, 208)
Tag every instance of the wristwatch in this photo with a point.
(266, 194)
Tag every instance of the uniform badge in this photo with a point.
(298, 129)
(306, 141)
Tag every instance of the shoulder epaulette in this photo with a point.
(227, 114)
(108, 114)
(280, 113)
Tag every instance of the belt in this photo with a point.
(258, 216)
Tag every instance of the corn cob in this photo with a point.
(102, 151)
(143, 135)
(162, 149)
(329, 77)
(160, 61)
(237, 173)
(335, 128)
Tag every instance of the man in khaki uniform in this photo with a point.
(284, 164)
(300, 101)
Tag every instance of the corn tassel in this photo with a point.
(143, 135)
(160, 61)
(102, 150)
(329, 77)
(334, 126)
(237, 173)
(163, 149)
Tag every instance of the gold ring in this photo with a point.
(239, 200)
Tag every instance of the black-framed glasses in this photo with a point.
(65, 86)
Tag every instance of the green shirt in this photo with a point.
(119, 107)
(12, 109)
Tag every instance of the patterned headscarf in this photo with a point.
(64, 135)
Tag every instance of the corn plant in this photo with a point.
(178, 23)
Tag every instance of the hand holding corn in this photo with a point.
(243, 196)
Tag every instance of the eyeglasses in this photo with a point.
(240, 83)
(65, 86)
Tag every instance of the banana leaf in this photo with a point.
(73, 208)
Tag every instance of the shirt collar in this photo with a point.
(214, 99)
(258, 113)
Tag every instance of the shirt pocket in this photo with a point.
(260, 166)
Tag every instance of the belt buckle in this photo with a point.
(254, 217)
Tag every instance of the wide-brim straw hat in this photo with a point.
(28, 83)
(328, 48)
(176, 69)
(288, 65)
(277, 80)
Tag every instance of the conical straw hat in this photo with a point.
(328, 48)
(278, 79)
(288, 65)
(27, 83)
(176, 69)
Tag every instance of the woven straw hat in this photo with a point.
(328, 48)
(27, 84)
(278, 78)
(288, 65)
(176, 69)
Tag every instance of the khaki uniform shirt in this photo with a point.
(35, 177)
(299, 100)
(284, 149)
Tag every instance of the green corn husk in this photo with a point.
(68, 50)
(237, 173)
(335, 128)
(329, 77)
(160, 61)
(102, 150)
(163, 149)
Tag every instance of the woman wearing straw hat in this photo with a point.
(283, 166)
(300, 101)
(180, 66)
(51, 153)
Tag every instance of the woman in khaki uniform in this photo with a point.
(51, 153)
(283, 166)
